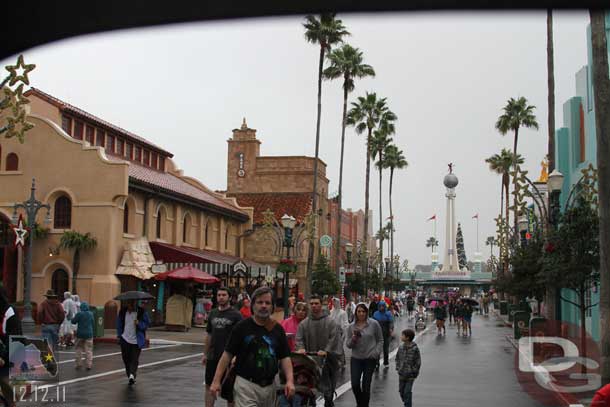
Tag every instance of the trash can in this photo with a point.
(98, 321)
(521, 324)
(512, 308)
(538, 327)
(503, 307)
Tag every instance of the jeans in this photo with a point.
(131, 357)
(50, 332)
(405, 388)
(328, 380)
(362, 369)
(296, 401)
(386, 348)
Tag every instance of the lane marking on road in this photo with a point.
(167, 341)
(118, 353)
(345, 387)
(112, 372)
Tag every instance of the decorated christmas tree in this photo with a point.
(461, 253)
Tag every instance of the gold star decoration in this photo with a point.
(19, 76)
(14, 98)
(17, 126)
(48, 357)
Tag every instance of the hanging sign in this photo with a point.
(326, 241)
(20, 232)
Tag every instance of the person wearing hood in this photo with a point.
(318, 333)
(386, 321)
(339, 317)
(84, 335)
(66, 331)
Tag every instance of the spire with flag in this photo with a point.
(433, 217)
(476, 216)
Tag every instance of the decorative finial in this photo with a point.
(244, 125)
(544, 171)
(450, 168)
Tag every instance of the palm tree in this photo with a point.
(394, 160)
(78, 242)
(551, 89)
(432, 242)
(345, 62)
(500, 164)
(381, 140)
(326, 31)
(366, 115)
(517, 114)
(491, 241)
(601, 94)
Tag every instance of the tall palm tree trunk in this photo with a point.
(506, 234)
(380, 214)
(391, 217)
(601, 93)
(551, 88)
(366, 190)
(314, 194)
(340, 196)
(75, 268)
(515, 180)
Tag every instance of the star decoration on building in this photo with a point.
(17, 126)
(20, 232)
(19, 72)
(48, 357)
(15, 98)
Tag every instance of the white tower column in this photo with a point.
(450, 263)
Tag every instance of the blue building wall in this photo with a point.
(579, 117)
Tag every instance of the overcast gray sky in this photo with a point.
(446, 76)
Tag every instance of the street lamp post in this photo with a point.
(555, 182)
(348, 263)
(288, 222)
(31, 208)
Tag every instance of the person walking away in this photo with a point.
(451, 311)
(84, 335)
(339, 317)
(365, 339)
(467, 317)
(319, 333)
(245, 308)
(459, 315)
(259, 346)
(485, 304)
(132, 323)
(51, 315)
(221, 322)
(65, 331)
(408, 363)
(410, 306)
(373, 305)
(440, 314)
(386, 321)
(11, 325)
(291, 323)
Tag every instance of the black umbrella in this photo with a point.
(134, 295)
(470, 301)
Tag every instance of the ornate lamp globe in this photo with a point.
(450, 181)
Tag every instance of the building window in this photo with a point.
(62, 214)
(90, 135)
(161, 216)
(110, 144)
(186, 228)
(120, 147)
(126, 218)
(227, 238)
(153, 160)
(12, 162)
(158, 225)
(60, 283)
(138, 154)
(100, 138)
(129, 151)
(205, 237)
(146, 157)
(161, 166)
(78, 130)
(66, 124)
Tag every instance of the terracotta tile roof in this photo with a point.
(67, 107)
(294, 204)
(176, 185)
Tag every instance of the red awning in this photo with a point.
(188, 273)
(169, 253)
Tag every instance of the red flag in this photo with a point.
(432, 217)
(476, 216)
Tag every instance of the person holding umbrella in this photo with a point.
(467, 316)
(132, 323)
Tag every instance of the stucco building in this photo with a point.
(118, 186)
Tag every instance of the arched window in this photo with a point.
(161, 217)
(12, 162)
(158, 225)
(62, 214)
(60, 283)
(126, 218)
(186, 228)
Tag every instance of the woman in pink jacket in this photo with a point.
(291, 323)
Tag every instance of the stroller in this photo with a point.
(420, 320)
(306, 372)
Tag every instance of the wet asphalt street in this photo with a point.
(456, 371)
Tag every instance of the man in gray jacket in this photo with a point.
(318, 333)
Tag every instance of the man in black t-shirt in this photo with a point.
(259, 345)
(220, 323)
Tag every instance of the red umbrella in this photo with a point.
(188, 273)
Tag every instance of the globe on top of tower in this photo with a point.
(450, 180)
